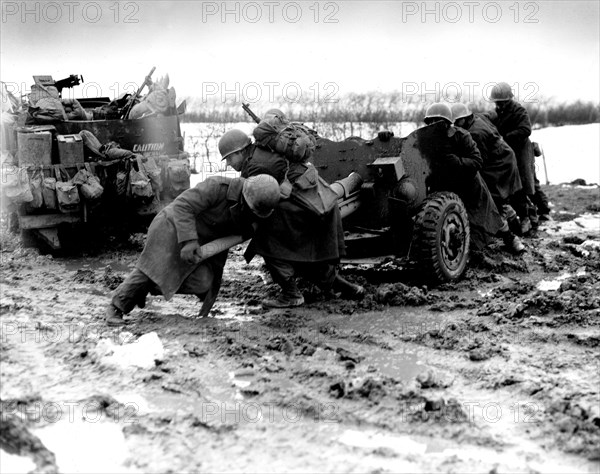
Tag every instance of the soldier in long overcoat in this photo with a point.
(293, 240)
(499, 166)
(457, 170)
(512, 121)
(170, 262)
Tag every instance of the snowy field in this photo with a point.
(571, 151)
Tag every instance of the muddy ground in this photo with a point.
(497, 373)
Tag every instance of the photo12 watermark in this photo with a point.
(270, 12)
(268, 412)
(70, 12)
(253, 92)
(454, 91)
(472, 412)
(18, 332)
(454, 12)
(90, 411)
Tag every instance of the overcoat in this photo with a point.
(210, 210)
(292, 232)
(513, 124)
(458, 172)
(499, 169)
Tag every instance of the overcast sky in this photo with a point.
(544, 48)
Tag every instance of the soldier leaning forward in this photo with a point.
(170, 262)
(499, 169)
(512, 121)
(458, 171)
(293, 240)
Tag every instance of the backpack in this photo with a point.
(35, 183)
(49, 193)
(67, 194)
(139, 183)
(293, 140)
(89, 184)
(178, 174)
(15, 184)
(314, 193)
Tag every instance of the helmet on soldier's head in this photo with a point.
(501, 91)
(439, 109)
(233, 141)
(261, 192)
(460, 111)
(277, 112)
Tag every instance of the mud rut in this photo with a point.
(496, 373)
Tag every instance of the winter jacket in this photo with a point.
(456, 169)
(293, 233)
(513, 124)
(499, 170)
(212, 209)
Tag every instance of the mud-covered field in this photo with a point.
(497, 373)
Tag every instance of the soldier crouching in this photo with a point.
(171, 260)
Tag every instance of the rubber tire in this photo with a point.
(428, 235)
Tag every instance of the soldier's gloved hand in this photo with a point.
(191, 252)
(452, 161)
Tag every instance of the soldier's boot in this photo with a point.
(290, 296)
(511, 217)
(114, 316)
(544, 217)
(347, 289)
(525, 226)
(512, 242)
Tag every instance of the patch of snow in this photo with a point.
(140, 353)
(587, 222)
(553, 285)
(571, 153)
(15, 464)
(86, 447)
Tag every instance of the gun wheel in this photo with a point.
(441, 237)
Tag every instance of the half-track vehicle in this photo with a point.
(158, 136)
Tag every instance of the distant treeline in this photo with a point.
(381, 108)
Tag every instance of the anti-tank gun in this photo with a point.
(394, 211)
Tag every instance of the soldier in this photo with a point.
(170, 261)
(458, 171)
(512, 121)
(293, 241)
(499, 169)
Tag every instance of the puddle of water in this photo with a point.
(400, 321)
(399, 364)
(233, 312)
(86, 447)
(95, 264)
(372, 440)
(176, 402)
(15, 464)
(513, 459)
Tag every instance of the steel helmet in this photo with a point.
(275, 112)
(460, 111)
(439, 109)
(261, 192)
(501, 91)
(233, 141)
